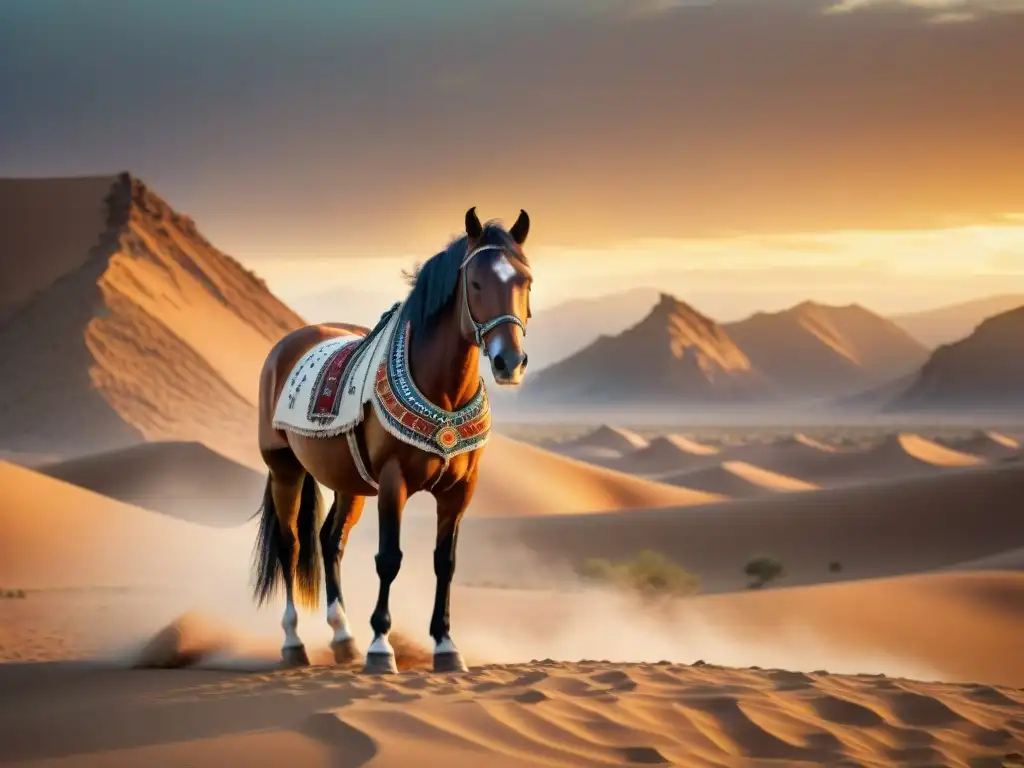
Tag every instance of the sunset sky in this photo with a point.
(747, 154)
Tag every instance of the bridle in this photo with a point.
(468, 321)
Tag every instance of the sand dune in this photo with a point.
(666, 453)
(737, 480)
(988, 445)
(613, 438)
(899, 456)
(185, 480)
(521, 479)
(871, 530)
(59, 536)
(1011, 560)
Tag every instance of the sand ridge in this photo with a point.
(988, 445)
(607, 437)
(898, 456)
(182, 479)
(520, 479)
(544, 713)
(737, 480)
(665, 453)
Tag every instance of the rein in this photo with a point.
(468, 321)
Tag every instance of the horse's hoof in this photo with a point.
(294, 656)
(449, 661)
(345, 651)
(380, 664)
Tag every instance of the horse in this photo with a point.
(419, 421)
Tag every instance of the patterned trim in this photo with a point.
(407, 414)
(325, 397)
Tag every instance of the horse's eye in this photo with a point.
(476, 285)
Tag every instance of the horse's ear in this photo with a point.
(473, 226)
(521, 228)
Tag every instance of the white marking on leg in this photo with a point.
(290, 623)
(339, 622)
(445, 646)
(381, 645)
(503, 268)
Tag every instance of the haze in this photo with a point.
(744, 154)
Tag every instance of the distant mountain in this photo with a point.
(814, 350)
(983, 372)
(945, 325)
(674, 355)
(564, 329)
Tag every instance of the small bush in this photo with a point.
(650, 573)
(835, 567)
(13, 594)
(763, 570)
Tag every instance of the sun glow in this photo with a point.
(895, 270)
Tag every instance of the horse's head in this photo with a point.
(496, 282)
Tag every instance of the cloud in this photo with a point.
(940, 11)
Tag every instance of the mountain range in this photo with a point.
(677, 355)
(836, 357)
(568, 327)
(945, 325)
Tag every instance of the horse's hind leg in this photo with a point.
(286, 547)
(344, 514)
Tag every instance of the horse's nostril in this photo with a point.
(526, 359)
(499, 363)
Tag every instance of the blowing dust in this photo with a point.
(207, 618)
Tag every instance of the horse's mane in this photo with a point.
(434, 282)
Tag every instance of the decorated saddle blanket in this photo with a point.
(329, 386)
(327, 389)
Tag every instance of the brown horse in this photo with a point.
(423, 426)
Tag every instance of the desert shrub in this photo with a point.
(650, 573)
(762, 570)
(13, 594)
(835, 567)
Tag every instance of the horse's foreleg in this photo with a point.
(344, 514)
(391, 498)
(450, 507)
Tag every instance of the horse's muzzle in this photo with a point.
(509, 366)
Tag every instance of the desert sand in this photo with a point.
(695, 681)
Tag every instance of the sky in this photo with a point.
(757, 152)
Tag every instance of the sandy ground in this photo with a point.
(660, 698)
(181, 599)
(550, 713)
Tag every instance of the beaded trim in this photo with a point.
(407, 414)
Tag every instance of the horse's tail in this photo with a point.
(266, 561)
